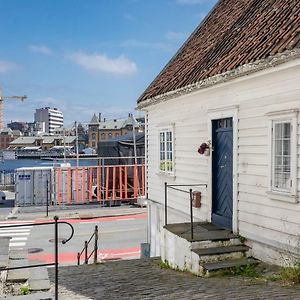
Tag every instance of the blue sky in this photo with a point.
(86, 56)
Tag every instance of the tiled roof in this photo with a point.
(236, 32)
(45, 139)
(26, 140)
(114, 124)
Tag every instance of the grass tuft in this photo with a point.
(290, 275)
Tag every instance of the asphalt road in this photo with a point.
(119, 237)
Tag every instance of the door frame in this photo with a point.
(222, 113)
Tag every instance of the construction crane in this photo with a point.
(2, 98)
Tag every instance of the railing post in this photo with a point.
(56, 255)
(86, 252)
(191, 209)
(96, 245)
(166, 203)
(47, 198)
(78, 259)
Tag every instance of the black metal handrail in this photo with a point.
(85, 249)
(190, 192)
(55, 263)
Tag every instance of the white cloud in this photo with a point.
(101, 63)
(7, 66)
(40, 49)
(172, 35)
(191, 2)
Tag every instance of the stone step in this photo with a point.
(18, 275)
(215, 244)
(228, 264)
(4, 249)
(217, 235)
(220, 250)
(35, 296)
(38, 279)
(16, 254)
(4, 245)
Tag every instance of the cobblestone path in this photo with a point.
(144, 279)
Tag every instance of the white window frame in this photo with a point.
(278, 117)
(165, 130)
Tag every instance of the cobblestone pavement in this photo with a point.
(144, 279)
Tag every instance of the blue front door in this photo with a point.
(222, 171)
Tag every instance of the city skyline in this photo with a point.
(88, 57)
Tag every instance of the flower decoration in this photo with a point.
(204, 148)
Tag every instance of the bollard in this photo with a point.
(56, 255)
(96, 245)
(86, 252)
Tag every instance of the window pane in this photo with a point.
(166, 148)
(282, 156)
(278, 147)
(287, 130)
(278, 131)
(286, 147)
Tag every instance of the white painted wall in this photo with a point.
(259, 218)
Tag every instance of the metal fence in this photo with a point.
(107, 181)
(104, 184)
(7, 178)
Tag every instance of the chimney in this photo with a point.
(99, 117)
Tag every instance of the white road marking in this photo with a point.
(18, 235)
(17, 244)
(15, 230)
(15, 234)
(23, 238)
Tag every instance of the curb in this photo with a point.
(87, 217)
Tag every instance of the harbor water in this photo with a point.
(11, 164)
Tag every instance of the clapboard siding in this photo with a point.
(259, 217)
(253, 159)
(268, 203)
(282, 214)
(269, 236)
(277, 225)
(253, 170)
(253, 180)
(253, 141)
(251, 149)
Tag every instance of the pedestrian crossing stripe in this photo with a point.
(18, 235)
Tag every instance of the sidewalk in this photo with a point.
(84, 211)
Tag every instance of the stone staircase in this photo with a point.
(36, 279)
(211, 249)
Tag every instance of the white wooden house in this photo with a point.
(234, 82)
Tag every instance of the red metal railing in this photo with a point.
(75, 185)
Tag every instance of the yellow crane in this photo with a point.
(2, 98)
